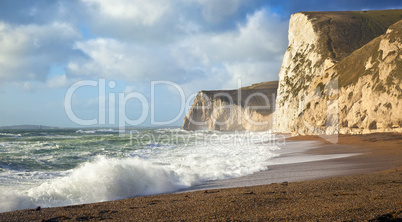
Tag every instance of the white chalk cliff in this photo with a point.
(341, 73)
(249, 108)
(337, 76)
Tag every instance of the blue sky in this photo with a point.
(103, 63)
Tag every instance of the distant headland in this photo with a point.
(27, 127)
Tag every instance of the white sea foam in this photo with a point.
(93, 131)
(152, 170)
(10, 135)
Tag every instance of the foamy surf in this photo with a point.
(143, 169)
(101, 180)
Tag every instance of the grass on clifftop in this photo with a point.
(385, 18)
(262, 85)
(344, 32)
(354, 66)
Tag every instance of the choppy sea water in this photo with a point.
(58, 167)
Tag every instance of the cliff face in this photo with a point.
(249, 108)
(341, 73)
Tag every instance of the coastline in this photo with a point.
(358, 154)
(353, 185)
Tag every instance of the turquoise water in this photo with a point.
(56, 167)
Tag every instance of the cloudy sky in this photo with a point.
(105, 62)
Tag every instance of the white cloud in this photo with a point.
(250, 72)
(217, 10)
(251, 52)
(110, 58)
(28, 51)
(57, 81)
(28, 86)
(133, 20)
(262, 37)
(133, 43)
(160, 21)
(129, 89)
(142, 12)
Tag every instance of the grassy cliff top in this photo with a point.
(354, 66)
(270, 85)
(263, 85)
(346, 31)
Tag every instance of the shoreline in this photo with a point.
(381, 152)
(356, 156)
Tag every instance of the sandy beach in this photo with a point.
(364, 183)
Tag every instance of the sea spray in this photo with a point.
(101, 180)
(115, 169)
(106, 179)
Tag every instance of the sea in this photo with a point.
(59, 167)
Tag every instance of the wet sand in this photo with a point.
(367, 186)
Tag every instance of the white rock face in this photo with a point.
(321, 94)
(341, 73)
(374, 102)
(301, 64)
(231, 110)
